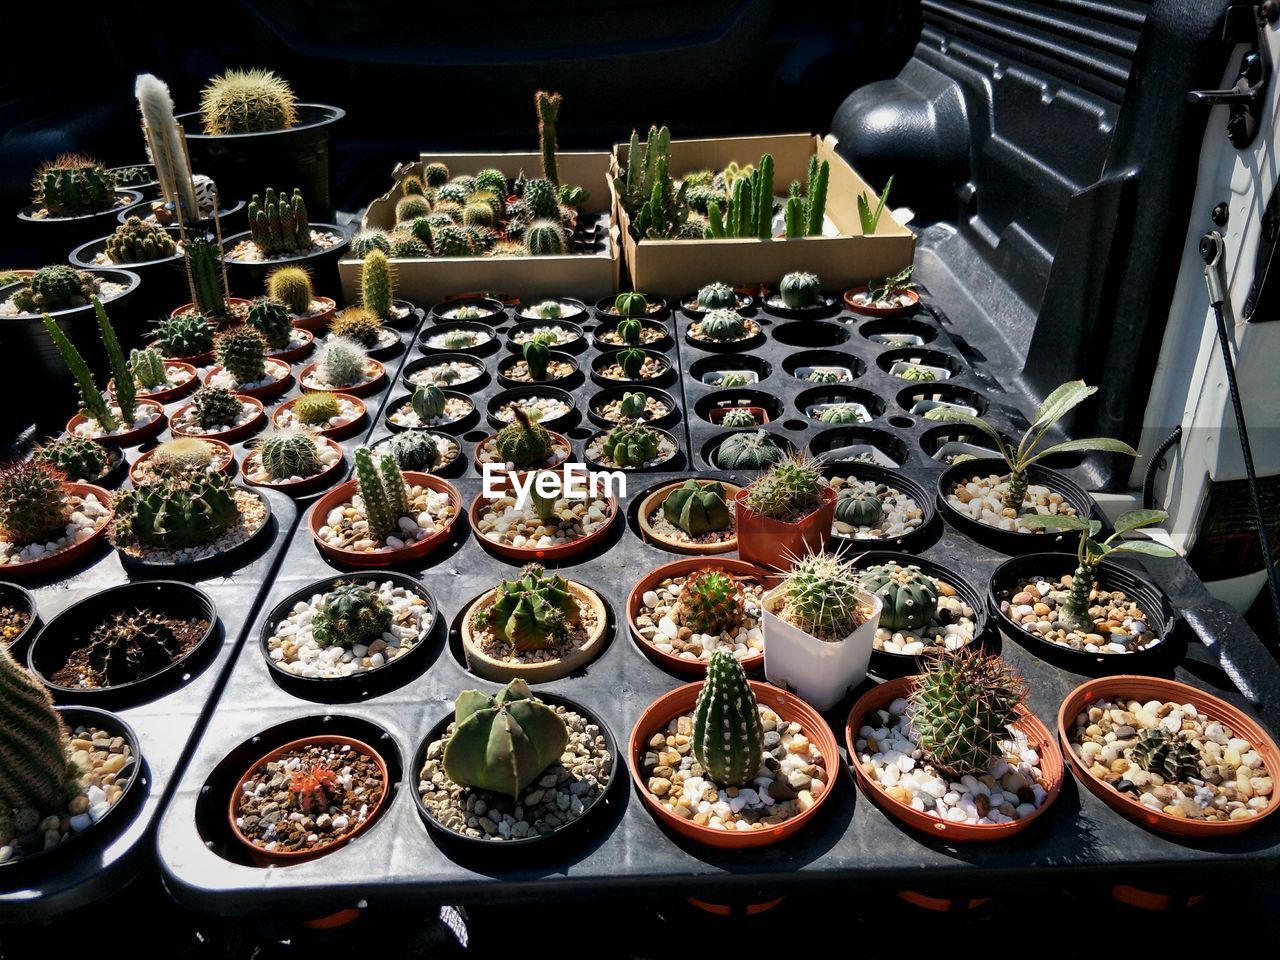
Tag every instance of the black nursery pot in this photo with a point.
(1109, 576)
(148, 185)
(609, 394)
(435, 360)
(520, 849)
(232, 219)
(241, 164)
(21, 599)
(66, 632)
(510, 361)
(1010, 541)
(452, 427)
(163, 281)
(481, 349)
(663, 342)
(528, 326)
(562, 422)
(870, 473)
(322, 264)
(493, 312)
(49, 238)
(606, 313)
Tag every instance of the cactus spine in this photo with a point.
(247, 101)
(377, 284)
(33, 504)
(148, 368)
(242, 352)
(292, 287)
(137, 241)
(81, 459)
(205, 276)
(73, 185)
(728, 739)
(35, 773)
(382, 489)
(279, 225)
(961, 710)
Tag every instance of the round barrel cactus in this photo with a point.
(428, 402)
(799, 290)
(910, 596)
(717, 296)
(350, 614)
(633, 405)
(858, 509)
(968, 740)
(286, 453)
(748, 451)
(415, 450)
(722, 325)
(523, 442)
(631, 304)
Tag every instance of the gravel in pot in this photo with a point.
(457, 336)
(550, 406)
(606, 408)
(552, 308)
(824, 367)
(445, 370)
(556, 334)
(474, 309)
(514, 371)
(630, 365)
(905, 507)
(459, 410)
(926, 608)
(18, 615)
(631, 446)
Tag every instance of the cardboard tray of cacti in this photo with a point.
(842, 255)
(587, 275)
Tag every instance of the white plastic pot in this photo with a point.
(821, 673)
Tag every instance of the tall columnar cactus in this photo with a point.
(35, 772)
(532, 612)
(242, 352)
(821, 597)
(382, 490)
(377, 284)
(317, 409)
(816, 196)
(342, 362)
(544, 238)
(505, 742)
(82, 460)
(657, 209)
(536, 358)
(247, 101)
(270, 317)
(292, 287)
(186, 335)
(215, 407)
(33, 504)
(428, 402)
(415, 450)
(630, 444)
(393, 485)
(698, 507)
(961, 709)
(92, 401)
(548, 107)
(73, 185)
(350, 614)
(287, 452)
(139, 241)
(909, 596)
(175, 511)
(748, 211)
(523, 442)
(204, 272)
(148, 368)
(728, 739)
(126, 386)
(279, 225)
(799, 290)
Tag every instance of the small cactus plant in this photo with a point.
(532, 612)
(710, 602)
(411, 206)
(270, 317)
(203, 261)
(453, 241)
(185, 335)
(317, 409)
(56, 288)
(435, 174)
(81, 460)
(242, 352)
(415, 450)
(909, 597)
(350, 614)
(285, 453)
(341, 362)
(505, 742)
(633, 405)
(292, 287)
(549, 310)
(792, 488)
(536, 358)
(181, 455)
(428, 402)
(175, 511)
(1169, 755)
(717, 296)
(544, 238)
(631, 304)
(799, 290)
(523, 443)
(858, 509)
(247, 101)
(92, 400)
(733, 379)
(148, 368)
(629, 330)
(139, 241)
(73, 185)
(841, 413)
(722, 326)
(630, 444)
(631, 362)
(728, 738)
(33, 502)
(35, 772)
(407, 246)
(541, 200)
(917, 374)
(383, 492)
(823, 377)
(377, 284)
(358, 324)
(366, 241)
(965, 741)
(216, 407)
(820, 596)
(738, 418)
(748, 451)
(698, 507)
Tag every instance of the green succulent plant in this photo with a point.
(722, 326)
(820, 596)
(342, 362)
(181, 455)
(377, 284)
(965, 741)
(175, 511)
(73, 185)
(359, 325)
(80, 459)
(215, 407)
(536, 358)
(247, 101)
(633, 405)
(698, 507)
(428, 402)
(544, 238)
(242, 352)
(631, 304)
(728, 738)
(287, 452)
(800, 290)
(270, 317)
(630, 444)
(792, 486)
(33, 502)
(710, 602)
(532, 612)
(317, 409)
(415, 450)
(909, 597)
(35, 771)
(56, 288)
(748, 451)
(631, 362)
(737, 418)
(858, 509)
(717, 296)
(383, 492)
(350, 614)
(184, 335)
(139, 241)
(148, 368)
(523, 442)
(278, 225)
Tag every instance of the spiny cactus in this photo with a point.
(728, 739)
(35, 773)
(377, 284)
(73, 185)
(175, 511)
(532, 612)
(382, 489)
(804, 213)
(421, 230)
(247, 101)
(182, 455)
(428, 402)
(630, 444)
(56, 288)
(288, 452)
(358, 324)
(292, 287)
(492, 180)
(204, 273)
(717, 296)
(544, 238)
(139, 241)
(738, 418)
(342, 362)
(405, 246)
(81, 460)
(536, 358)
(242, 352)
(414, 450)
(350, 614)
(733, 379)
(917, 374)
(503, 743)
(710, 602)
(820, 596)
(455, 191)
(631, 362)
(1169, 755)
(748, 451)
(548, 109)
(909, 596)
(961, 709)
(858, 509)
(92, 400)
(540, 200)
(270, 317)
(148, 368)
(840, 413)
(631, 304)
(748, 212)
(799, 290)
(483, 239)
(656, 207)
(523, 442)
(722, 326)
(366, 241)
(453, 241)
(317, 409)
(186, 335)
(412, 206)
(698, 507)
(215, 407)
(792, 487)
(444, 214)
(633, 405)
(33, 502)
(279, 225)
(412, 185)
(435, 174)
(701, 197)
(132, 644)
(823, 376)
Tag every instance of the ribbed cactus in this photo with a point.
(630, 444)
(204, 271)
(33, 502)
(748, 451)
(523, 443)
(377, 284)
(917, 374)
(633, 405)
(548, 109)
(350, 614)
(728, 739)
(317, 409)
(412, 185)
(342, 362)
(792, 486)
(435, 174)
(80, 459)
(631, 362)
(175, 511)
(412, 206)
(393, 486)
(73, 185)
(182, 455)
(629, 330)
(414, 450)
(698, 507)
(358, 324)
(710, 602)
(455, 191)
(1170, 755)
(421, 230)
(366, 241)
(279, 225)
(270, 317)
(722, 325)
(453, 241)
(540, 200)
(532, 612)
(544, 238)
(460, 339)
(739, 418)
(503, 743)
(215, 407)
(382, 489)
(717, 296)
(292, 287)
(820, 596)
(287, 452)
(658, 210)
(478, 214)
(733, 379)
(242, 352)
(492, 180)
(961, 709)
(858, 509)
(406, 246)
(631, 304)
(247, 101)
(823, 376)
(139, 241)
(536, 358)
(92, 400)
(35, 772)
(148, 368)
(841, 413)
(909, 596)
(186, 335)
(799, 290)
(428, 402)
(56, 288)
(816, 196)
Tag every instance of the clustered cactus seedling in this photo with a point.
(630, 444)
(532, 612)
(139, 241)
(292, 287)
(359, 325)
(728, 738)
(414, 450)
(858, 509)
(658, 210)
(279, 225)
(383, 492)
(215, 407)
(242, 352)
(36, 774)
(92, 400)
(908, 594)
(523, 442)
(799, 290)
(350, 614)
(737, 418)
(722, 326)
(503, 743)
(174, 511)
(73, 185)
(748, 211)
(717, 296)
(792, 488)
(270, 317)
(961, 709)
(247, 101)
(82, 460)
(33, 502)
(748, 451)
(186, 335)
(317, 409)
(56, 288)
(820, 596)
(182, 455)
(288, 452)
(804, 213)
(710, 602)
(342, 362)
(148, 368)
(698, 507)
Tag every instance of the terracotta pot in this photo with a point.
(232, 303)
(539, 554)
(290, 354)
(226, 436)
(265, 857)
(343, 494)
(68, 555)
(765, 541)
(345, 429)
(223, 450)
(195, 360)
(868, 310)
(372, 385)
(489, 668)
(315, 322)
(1155, 688)
(787, 706)
(130, 438)
(656, 498)
(677, 568)
(716, 414)
(279, 384)
(561, 451)
(307, 484)
(1038, 737)
(169, 393)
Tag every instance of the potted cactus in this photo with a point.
(746, 450)
(546, 525)
(631, 445)
(522, 445)
(292, 286)
(738, 416)
(891, 297)
(691, 516)
(217, 413)
(615, 404)
(552, 308)
(243, 366)
(555, 335)
(538, 626)
(378, 290)
(271, 318)
(724, 330)
(181, 455)
(715, 296)
(536, 363)
(73, 197)
(731, 762)
(141, 247)
(281, 234)
(495, 772)
(47, 522)
(459, 336)
(383, 516)
(363, 326)
(632, 331)
(423, 451)
(429, 406)
(82, 460)
(292, 460)
(799, 295)
(207, 284)
(185, 338)
(156, 378)
(334, 415)
(819, 629)
(785, 513)
(343, 366)
(632, 365)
